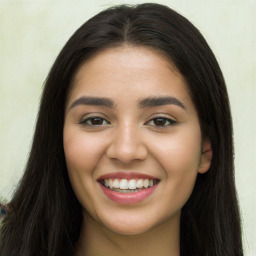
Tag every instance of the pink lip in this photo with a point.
(124, 175)
(128, 198)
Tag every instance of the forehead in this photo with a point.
(130, 70)
(128, 56)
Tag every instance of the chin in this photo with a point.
(138, 225)
(129, 231)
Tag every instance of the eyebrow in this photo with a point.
(159, 101)
(144, 103)
(95, 101)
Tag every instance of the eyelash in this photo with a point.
(160, 119)
(88, 121)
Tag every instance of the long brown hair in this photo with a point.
(45, 216)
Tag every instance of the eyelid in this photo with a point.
(162, 116)
(91, 116)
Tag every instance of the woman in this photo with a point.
(133, 151)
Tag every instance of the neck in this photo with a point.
(96, 240)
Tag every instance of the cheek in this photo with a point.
(179, 157)
(179, 153)
(81, 152)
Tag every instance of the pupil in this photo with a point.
(160, 121)
(96, 121)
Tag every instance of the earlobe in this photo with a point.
(206, 157)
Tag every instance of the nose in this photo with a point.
(127, 145)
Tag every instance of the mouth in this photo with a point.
(132, 188)
(128, 185)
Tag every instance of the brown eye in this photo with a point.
(94, 121)
(161, 122)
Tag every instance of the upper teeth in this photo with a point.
(128, 184)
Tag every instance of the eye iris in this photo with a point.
(160, 121)
(96, 121)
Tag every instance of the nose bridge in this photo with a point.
(127, 137)
(127, 143)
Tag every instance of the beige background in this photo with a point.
(33, 32)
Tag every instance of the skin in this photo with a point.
(131, 138)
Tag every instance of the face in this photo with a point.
(132, 140)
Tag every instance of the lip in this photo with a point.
(127, 198)
(126, 175)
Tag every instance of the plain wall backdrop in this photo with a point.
(33, 32)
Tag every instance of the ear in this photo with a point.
(206, 156)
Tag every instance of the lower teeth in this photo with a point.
(125, 190)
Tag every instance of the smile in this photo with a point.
(128, 186)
